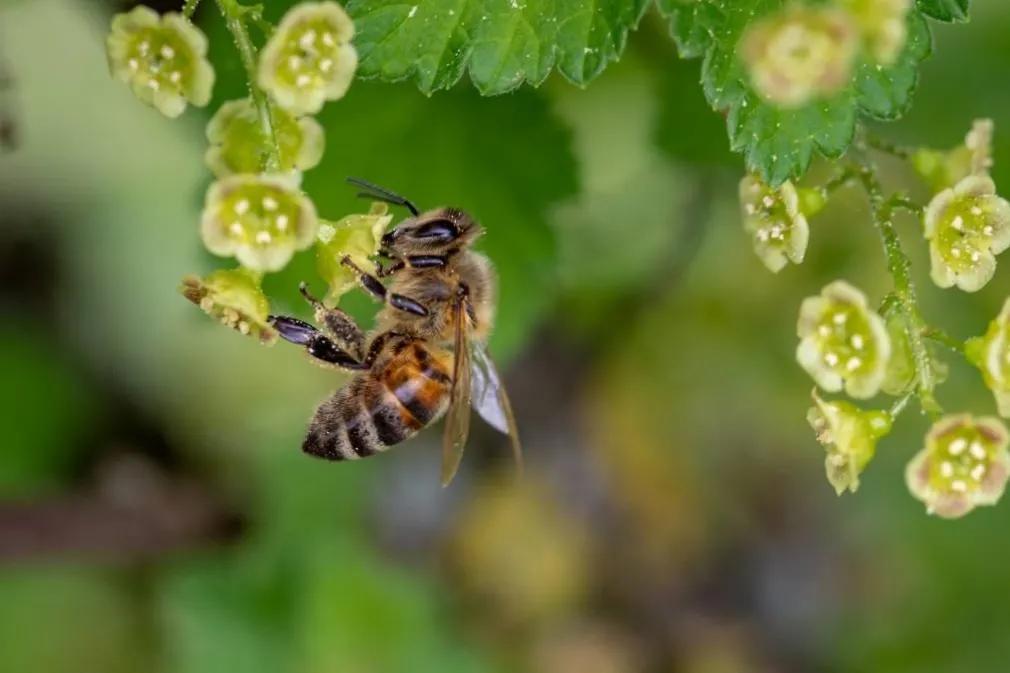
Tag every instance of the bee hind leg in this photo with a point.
(317, 344)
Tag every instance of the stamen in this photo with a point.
(958, 446)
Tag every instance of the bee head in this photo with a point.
(436, 231)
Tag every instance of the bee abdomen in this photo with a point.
(342, 428)
(360, 420)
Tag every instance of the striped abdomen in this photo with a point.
(378, 409)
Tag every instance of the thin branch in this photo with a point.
(867, 139)
(189, 8)
(838, 181)
(898, 266)
(899, 404)
(234, 17)
(937, 335)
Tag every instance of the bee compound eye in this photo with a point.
(435, 232)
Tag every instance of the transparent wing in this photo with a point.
(490, 399)
(457, 422)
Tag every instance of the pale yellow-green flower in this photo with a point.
(991, 354)
(883, 24)
(964, 464)
(234, 297)
(262, 220)
(943, 169)
(800, 53)
(237, 144)
(356, 236)
(773, 219)
(842, 342)
(967, 226)
(309, 59)
(162, 58)
(849, 434)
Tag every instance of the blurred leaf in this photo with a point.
(779, 143)
(631, 193)
(499, 43)
(68, 620)
(690, 24)
(43, 415)
(223, 614)
(357, 613)
(945, 10)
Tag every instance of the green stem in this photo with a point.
(840, 180)
(898, 266)
(189, 8)
(939, 336)
(233, 14)
(886, 146)
(256, 15)
(901, 201)
(899, 404)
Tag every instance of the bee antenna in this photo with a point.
(374, 191)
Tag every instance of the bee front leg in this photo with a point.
(340, 326)
(375, 288)
(317, 344)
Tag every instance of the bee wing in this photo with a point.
(490, 399)
(457, 423)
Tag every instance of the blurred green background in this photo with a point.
(156, 513)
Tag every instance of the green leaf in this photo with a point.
(945, 10)
(779, 143)
(499, 43)
(690, 24)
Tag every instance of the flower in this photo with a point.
(991, 354)
(883, 25)
(262, 220)
(850, 435)
(234, 297)
(965, 464)
(309, 59)
(237, 144)
(355, 236)
(973, 157)
(799, 54)
(773, 218)
(966, 227)
(843, 341)
(162, 58)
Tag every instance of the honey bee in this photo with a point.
(427, 356)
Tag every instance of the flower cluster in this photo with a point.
(162, 58)
(258, 146)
